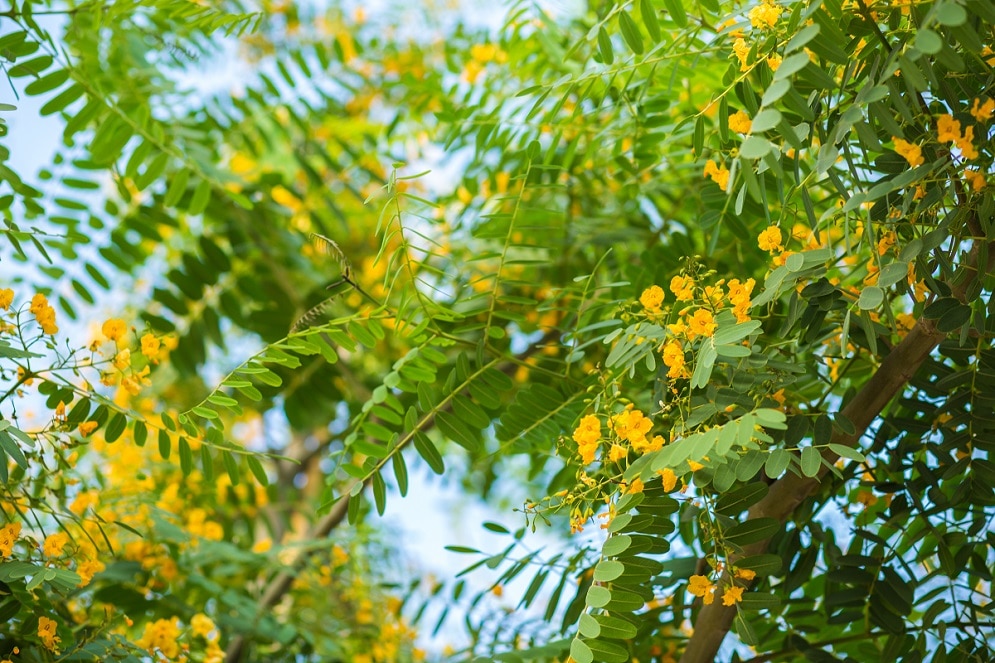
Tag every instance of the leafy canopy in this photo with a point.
(703, 287)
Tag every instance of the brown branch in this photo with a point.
(787, 493)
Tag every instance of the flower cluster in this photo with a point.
(718, 174)
(740, 122)
(701, 586)
(44, 314)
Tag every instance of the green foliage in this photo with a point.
(716, 278)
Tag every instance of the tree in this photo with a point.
(714, 278)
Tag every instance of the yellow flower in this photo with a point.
(631, 425)
(114, 329)
(740, 122)
(150, 347)
(161, 634)
(87, 427)
(44, 314)
(718, 174)
(982, 112)
(668, 478)
(966, 144)
(702, 323)
(698, 585)
(742, 52)
(976, 178)
(636, 486)
(262, 545)
(765, 15)
(54, 543)
(774, 61)
(87, 569)
(646, 446)
(673, 358)
(739, 296)
(617, 453)
(746, 574)
(770, 239)
(201, 625)
(947, 129)
(6, 298)
(588, 431)
(682, 287)
(695, 465)
(46, 631)
(122, 360)
(732, 596)
(911, 151)
(887, 241)
(8, 535)
(652, 298)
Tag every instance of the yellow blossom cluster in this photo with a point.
(161, 636)
(47, 633)
(770, 239)
(9, 534)
(652, 298)
(765, 15)
(740, 122)
(480, 55)
(44, 314)
(948, 130)
(683, 288)
(6, 298)
(739, 296)
(718, 174)
(909, 151)
(631, 426)
(587, 436)
(701, 586)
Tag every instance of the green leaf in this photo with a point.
(752, 531)
(231, 467)
(647, 12)
(12, 449)
(677, 12)
(457, 431)
(870, 298)
(765, 119)
(164, 444)
(763, 565)
(608, 570)
(605, 46)
(426, 449)
(115, 427)
(616, 545)
(755, 147)
(950, 14)
(186, 456)
(742, 498)
(811, 461)
(614, 627)
(257, 470)
(630, 32)
(844, 451)
(598, 596)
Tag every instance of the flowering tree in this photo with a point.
(711, 284)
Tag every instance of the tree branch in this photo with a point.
(787, 493)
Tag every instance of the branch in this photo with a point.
(787, 493)
(279, 586)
